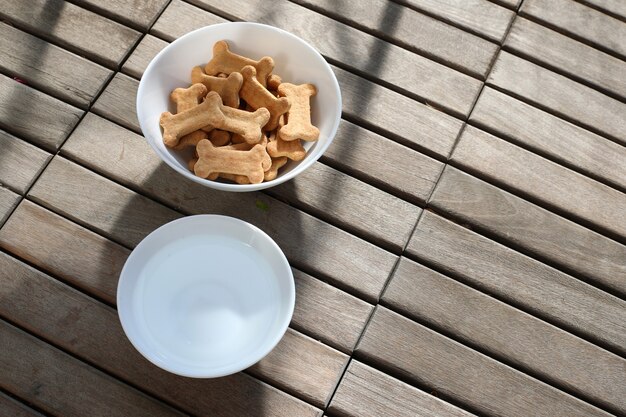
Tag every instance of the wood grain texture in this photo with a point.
(327, 313)
(118, 102)
(511, 4)
(547, 135)
(567, 56)
(615, 7)
(43, 376)
(393, 22)
(73, 28)
(89, 199)
(180, 18)
(457, 372)
(303, 367)
(580, 22)
(559, 188)
(8, 201)
(138, 61)
(92, 331)
(367, 391)
(476, 16)
(34, 116)
(20, 162)
(47, 67)
(137, 14)
(428, 80)
(561, 96)
(355, 206)
(310, 244)
(10, 407)
(73, 253)
(520, 281)
(514, 337)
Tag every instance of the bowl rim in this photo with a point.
(238, 365)
(302, 165)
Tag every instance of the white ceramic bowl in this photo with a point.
(206, 296)
(295, 61)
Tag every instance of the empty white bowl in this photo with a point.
(206, 296)
(295, 61)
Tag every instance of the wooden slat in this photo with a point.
(8, 201)
(393, 22)
(180, 18)
(457, 372)
(543, 133)
(517, 338)
(511, 4)
(131, 13)
(477, 16)
(12, 408)
(47, 67)
(327, 313)
(35, 116)
(565, 55)
(615, 7)
(93, 332)
(367, 391)
(20, 162)
(356, 206)
(62, 385)
(64, 186)
(562, 96)
(147, 49)
(520, 281)
(118, 102)
(578, 196)
(72, 27)
(579, 21)
(303, 367)
(428, 80)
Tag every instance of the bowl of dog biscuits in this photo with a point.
(239, 106)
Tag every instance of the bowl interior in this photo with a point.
(295, 61)
(206, 296)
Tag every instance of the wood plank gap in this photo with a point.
(601, 10)
(111, 16)
(25, 403)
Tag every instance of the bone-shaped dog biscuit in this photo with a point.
(273, 81)
(228, 161)
(277, 163)
(242, 122)
(299, 117)
(258, 96)
(226, 61)
(191, 139)
(188, 98)
(175, 126)
(276, 148)
(227, 88)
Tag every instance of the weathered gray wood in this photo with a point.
(615, 7)
(137, 14)
(578, 196)
(8, 201)
(108, 208)
(118, 102)
(303, 367)
(541, 349)
(561, 96)
(62, 385)
(92, 331)
(511, 4)
(477, 16)
(12, 408)
(460, 373)
(310, 244)
(354, 205)
(545, 134)
(47, 67)
(568, 56)
(366, 391)
(35, 116)
(428, 80)
(579, 21)
(520, 281)
(147, 49)
(20, 162)
(327, 313)
(393, 22)
(180, 18)
(72, 27)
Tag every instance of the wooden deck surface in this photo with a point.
(459, 249)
